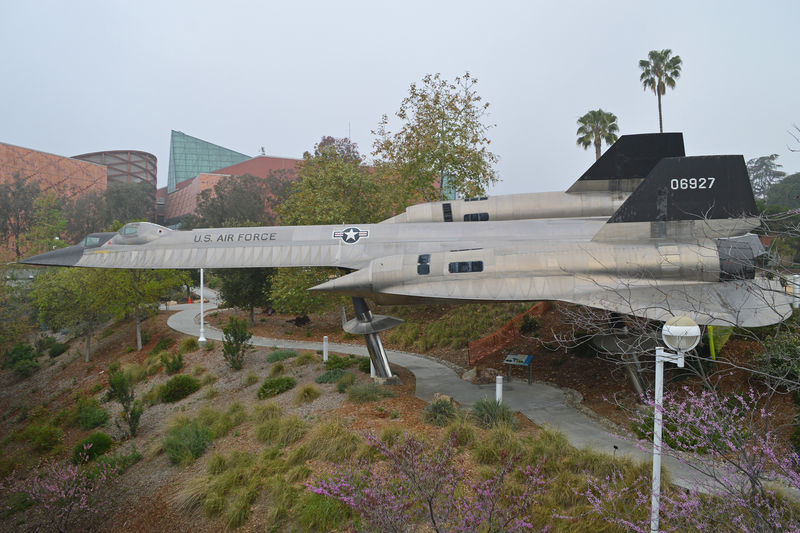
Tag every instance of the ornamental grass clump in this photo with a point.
(489, 413)
(439, 412)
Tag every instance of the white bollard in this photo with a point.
(202, 339)
(498, 389)
(325, 348)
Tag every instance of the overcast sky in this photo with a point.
(85, 76)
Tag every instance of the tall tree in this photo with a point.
(139, 291)
(243, 201)
(786, 193)
(128, 202)
(659, 71)
(86, 214)
(333, 187)
(16, 209)
(764, 173)
(77, 299)
(595, 127)
(48, 226)
(442, 145)
(236, 200)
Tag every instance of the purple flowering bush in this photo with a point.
(419, 483)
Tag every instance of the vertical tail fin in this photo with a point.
(687, 197)
(625, 164)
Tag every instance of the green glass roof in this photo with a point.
(189, 156)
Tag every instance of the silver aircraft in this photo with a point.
(678, 242)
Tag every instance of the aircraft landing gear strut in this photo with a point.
(370, 325)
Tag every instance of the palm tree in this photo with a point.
(659, 71)
(595, 127)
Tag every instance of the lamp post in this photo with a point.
(681, 334)
(202, 339)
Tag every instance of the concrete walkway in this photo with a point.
(544, 404)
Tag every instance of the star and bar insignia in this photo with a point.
(350, 235)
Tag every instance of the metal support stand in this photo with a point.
(202, 339)
(370, 325)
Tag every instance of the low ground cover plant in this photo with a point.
(274, 386)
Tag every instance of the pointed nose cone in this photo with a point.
(354, 283)
(68, 256)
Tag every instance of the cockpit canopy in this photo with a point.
(139, 233)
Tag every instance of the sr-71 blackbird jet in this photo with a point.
(646, 231)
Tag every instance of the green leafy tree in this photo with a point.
(246, 288)
(442, 146)
(764, 173)
(596, 127)
(659, 71)
(786, 193)
(48, 225)
(77, 299)
(236, 342)
(17, 315)
(16, 209)
(333, 187)
(240, 200)
(140, 292)
(129, 202)
(86, 214)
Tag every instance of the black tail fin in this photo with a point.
(680, 190)
(625, 164)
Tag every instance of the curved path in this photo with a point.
(544, 404)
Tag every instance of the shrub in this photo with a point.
(20, 352)
(529, 325)
(489, 413)
(307, 394)
(173, 363)
(90, 414)
(25, 368)
(162, 345)
(439, 413)
(277, 369)
(100, 444)
(43, 435)
(274, 386)
(280, 355)
(186, 441)
(331, 376)
(188, 345)
(367, 392)
(334, 361)
(236, 342)
(57, 349)
(121, 388)
(364, 365)
(178, 388)
(345, 382)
